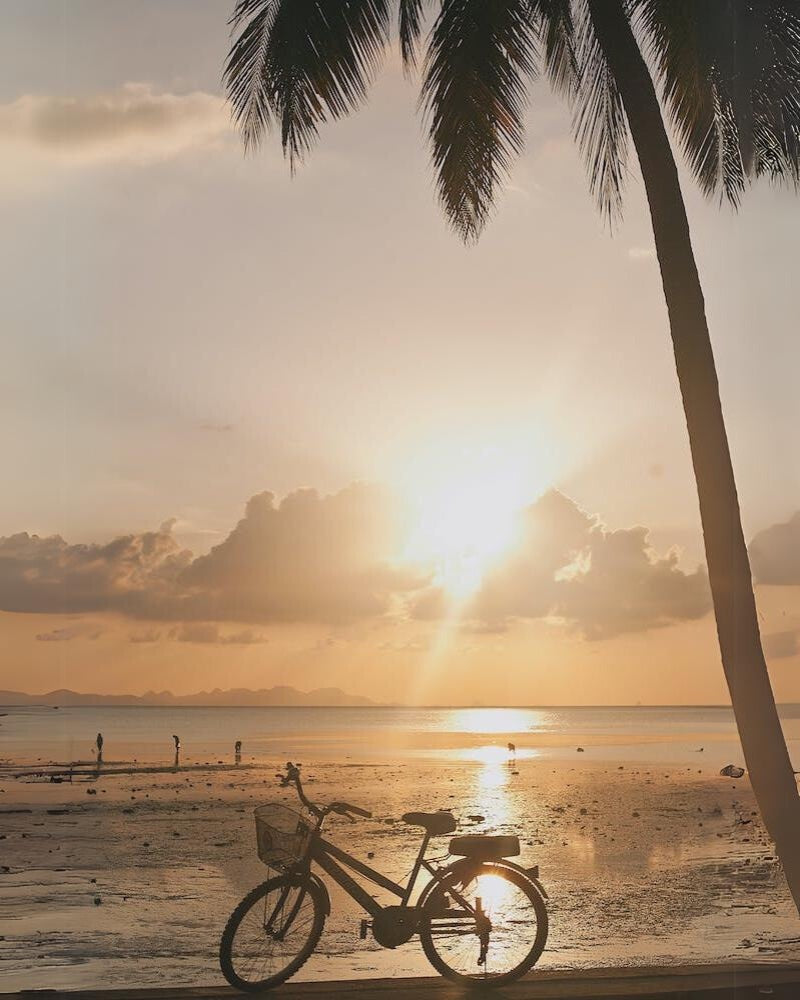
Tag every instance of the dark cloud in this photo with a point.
(70, 632)
(208, 632)
(135, 575)
(780, 645)
(601, 583)
(145, 636)
(65, 634)
(775, 553)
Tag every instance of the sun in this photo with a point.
(465, 506)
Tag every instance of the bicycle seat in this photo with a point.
(485, 848)
(434, 823)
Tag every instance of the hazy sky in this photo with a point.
(185, 329)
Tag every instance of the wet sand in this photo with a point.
(127, 879)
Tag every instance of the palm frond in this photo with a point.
(474, 95)
(302, 62)
(777, 100)
(599, 122)
(246, 75)
(557, 37)
(410, 27)
(730, 76)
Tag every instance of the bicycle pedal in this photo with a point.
(365, 926)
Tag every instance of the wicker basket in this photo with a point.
(282, 834)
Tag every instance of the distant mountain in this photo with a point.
(280, 696)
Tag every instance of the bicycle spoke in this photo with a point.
(455, 937)
(272, 933)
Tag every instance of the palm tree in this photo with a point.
(728, 72)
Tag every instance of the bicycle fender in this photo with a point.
(531, 873)
(326, 896)
(467, 864)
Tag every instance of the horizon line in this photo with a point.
(380, 704)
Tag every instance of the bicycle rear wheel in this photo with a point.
(271, 933)
(484, 924)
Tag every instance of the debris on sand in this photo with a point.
(732, 771)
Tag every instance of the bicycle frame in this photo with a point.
(328, 856)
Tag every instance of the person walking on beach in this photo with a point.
(177, 741)
(99, 744)
(237, 751)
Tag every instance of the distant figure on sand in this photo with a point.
(512, 750)
(99, 743)
(237, 751)
(177, 741)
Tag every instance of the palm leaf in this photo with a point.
(246, 74)
(557, 38)
(410, 28)
(730, 75)
(302, 62)
(474, 95)
(599, 121)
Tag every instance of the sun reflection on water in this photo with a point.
(494, 754)
(498, 720)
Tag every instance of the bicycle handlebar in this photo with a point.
(292, 777)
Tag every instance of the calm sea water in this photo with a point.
(479, 734)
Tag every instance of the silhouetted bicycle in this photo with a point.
(481, 918)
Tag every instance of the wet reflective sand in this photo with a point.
(643, 863)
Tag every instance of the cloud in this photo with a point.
(779, 645)
(208, 632)
(601, 583)
(775, 553)
(626, 587)
(134, 124)
(642, 253)
(308, 558)
(135, 575)
(146, 636)
(327, 560)
(70, 632)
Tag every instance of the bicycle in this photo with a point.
(481, 918)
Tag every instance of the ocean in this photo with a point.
(678, 735)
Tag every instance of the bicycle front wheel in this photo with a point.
(486, 924)
(271, 933)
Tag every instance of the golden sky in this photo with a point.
(291, 431)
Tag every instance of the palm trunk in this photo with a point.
(760, 731)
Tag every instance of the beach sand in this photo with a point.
(128, 879)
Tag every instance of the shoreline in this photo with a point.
(702, 982)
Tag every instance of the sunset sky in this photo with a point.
(291, 431)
